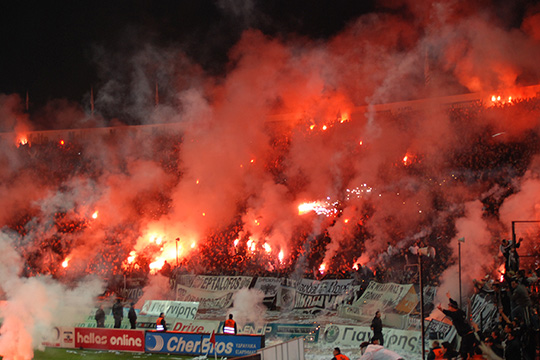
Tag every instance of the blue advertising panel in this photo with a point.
(199, 344)
(310, 332)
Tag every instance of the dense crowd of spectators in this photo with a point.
(487, 161)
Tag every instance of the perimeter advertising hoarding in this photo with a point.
(310, 332)
(351, 335)
(199, 344)
(107, 339)
(63, 337)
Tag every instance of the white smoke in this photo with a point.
(34, 306)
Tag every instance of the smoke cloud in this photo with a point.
(292, 121)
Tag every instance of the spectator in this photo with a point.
(448, 351)
(435, 352)
(377, 352)
(118, 314)
(338, 355)
(132, 316)
(463, 328)
(100, 317)
(376, 327)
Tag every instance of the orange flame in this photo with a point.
(65, 263)
(95, 215)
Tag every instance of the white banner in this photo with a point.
(324, 287)
(172, 309)
(207, 299)
(325, 294)
(394, 339)
(268, 285)
(215, 283)
(376, 297)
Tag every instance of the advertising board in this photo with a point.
(109, 339)
(199, 344)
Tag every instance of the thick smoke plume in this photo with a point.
(216, 186)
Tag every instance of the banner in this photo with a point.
(215, 283)
(325, 294)
(377, 297)
(63, 337)
(484, 311)
(207, 299)
(269, 286)
(397, 340)
(199, 344)
(105, 339)
(172, 309)
(285, 298)
(438, 330)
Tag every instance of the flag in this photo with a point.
(462, 239)
(213, 338)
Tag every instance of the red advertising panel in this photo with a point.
(109, 339)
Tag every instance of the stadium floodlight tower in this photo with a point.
(428, 251)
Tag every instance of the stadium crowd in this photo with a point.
(488, 164)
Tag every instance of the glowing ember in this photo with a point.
(312, 127)
(22, 141)
(95, 215)
(360, 143)
(236, 242)
(155, 239)
(320, 208)
(346, 221)
(62, 142)
(156, 265)
(251, 245)
(324, 127)
(65, 263)
(252, 161)
(322, 268)
(131, 257)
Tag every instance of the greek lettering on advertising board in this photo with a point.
(394, 339)
(290, 331)
(215, 283)
(63, 337)
(198, 344)
(173, 309)
(105, 339)
(207, 299)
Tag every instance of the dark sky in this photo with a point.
(48, 47)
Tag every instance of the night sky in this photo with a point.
(50, 46)
(54, 49)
